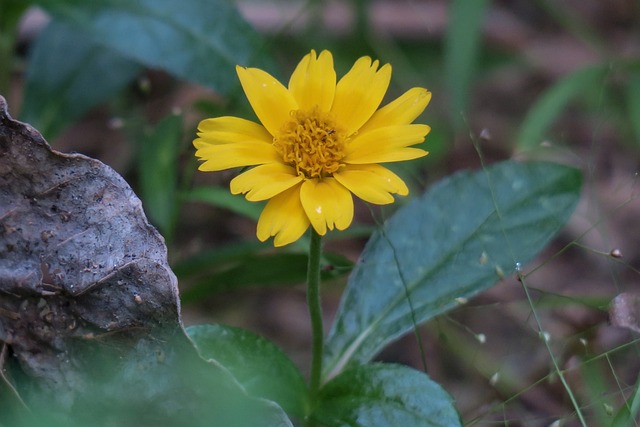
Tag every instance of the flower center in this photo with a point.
(312, 143)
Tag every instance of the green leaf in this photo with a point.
(222, 198)
(219, 271)
(10, 13)
(163, 381)
(553, 101)
(197, 40)
(449, 243)
(257, 364)
(110, 41)
(205, 261)
(68, 74)
(384, 395)
(461, 51)
(265, 270)
(158, 159)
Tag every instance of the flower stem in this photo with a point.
(315, 312)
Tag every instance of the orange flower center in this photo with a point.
(312, 143)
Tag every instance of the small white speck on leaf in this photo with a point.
(494, 379)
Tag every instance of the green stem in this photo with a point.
(315, 312)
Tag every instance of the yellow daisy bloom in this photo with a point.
(319, 141)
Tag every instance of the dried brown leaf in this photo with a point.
(78, 258)
(624, 311)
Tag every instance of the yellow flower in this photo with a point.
(318, 142)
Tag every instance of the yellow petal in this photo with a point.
(226, 156)
(314, 81)
(389, 156)
(359, 93)
(388, 137)
(222, 130)
(327, 204)
(372, 183)
(271, 101)
(387, 144)
(265, 181)
(401, 111)
(284, 218)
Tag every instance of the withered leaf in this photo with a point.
(89, 306)
(624, 311)
(77, 256)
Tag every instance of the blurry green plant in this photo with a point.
(461, 237)
(613, 83)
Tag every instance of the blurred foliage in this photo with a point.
(92, 52)
(462, 50)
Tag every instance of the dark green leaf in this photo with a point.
(10, 13)
(459, 238)
(257, 364)
(68, 74)
(206, 261)
(158, 160)
(553, 101)
(198, 40)
(240, 269)
(384, 395)
(222, 198)
(251, 270)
